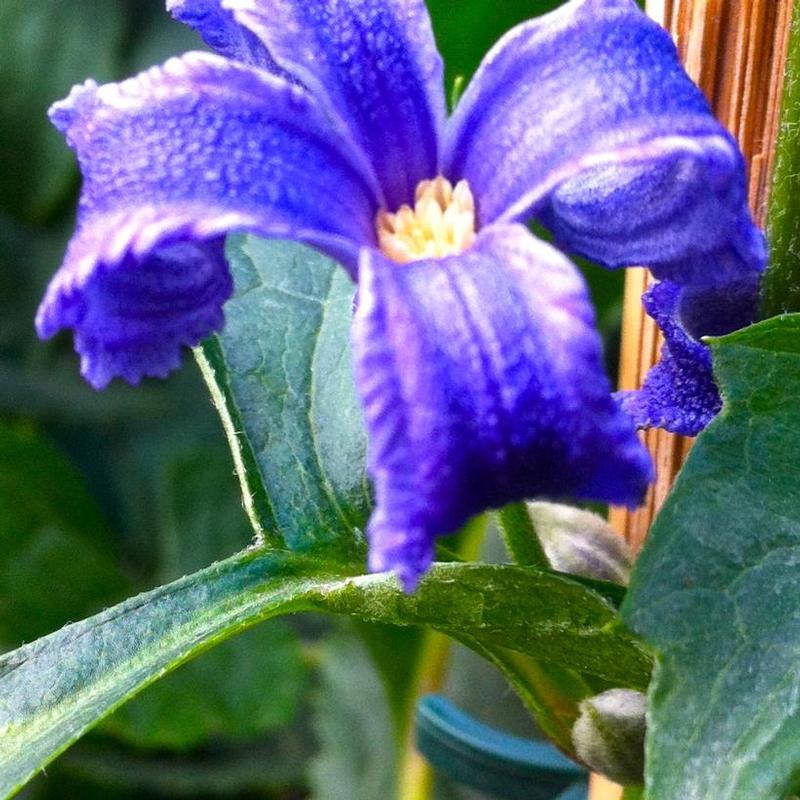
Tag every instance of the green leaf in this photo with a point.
(781, 285)
(281, 376)
(47, 47)
(55, 563)
(54, 689)
(716, 588)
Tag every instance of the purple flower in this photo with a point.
(324, 121)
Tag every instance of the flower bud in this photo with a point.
(580, 542)
(609, 735)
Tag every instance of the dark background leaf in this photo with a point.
(44, 53)
(57, 562)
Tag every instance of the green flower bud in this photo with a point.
(580, 542)
(609, 735)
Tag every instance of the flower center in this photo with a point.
(442, 223)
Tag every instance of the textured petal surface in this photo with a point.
(172, 160)
(132, 319)
(586, 119)
(679, 393)
(220, 31)
(376, 64)
(482, 383)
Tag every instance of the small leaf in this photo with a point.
(716, 587)
(282, 379)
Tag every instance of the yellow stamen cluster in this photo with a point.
(442, 223)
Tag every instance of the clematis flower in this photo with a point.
(324, 121)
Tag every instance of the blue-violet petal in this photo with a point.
(482, 383)
(679, 393)
(376, 64)
(586, 119)
(174, 159)
(220, 31)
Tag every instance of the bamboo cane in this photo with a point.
(736, 51)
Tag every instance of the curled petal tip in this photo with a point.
(407, 560)
(64, 112)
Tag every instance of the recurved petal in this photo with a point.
(220, 31)
(585, 119)
(132, 318)
(172, 160)
(376, 64)
(482, 383)
(679, 393)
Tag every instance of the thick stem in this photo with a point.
(520, 536)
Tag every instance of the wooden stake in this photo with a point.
(735, 50)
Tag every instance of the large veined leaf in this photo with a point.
(281, 377)
(54, 689)
(716, 588)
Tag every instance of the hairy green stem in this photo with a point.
(520, 536)
(781, 287)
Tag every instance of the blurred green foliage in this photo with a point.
(102, 495)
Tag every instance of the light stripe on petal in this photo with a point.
(482, 382)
